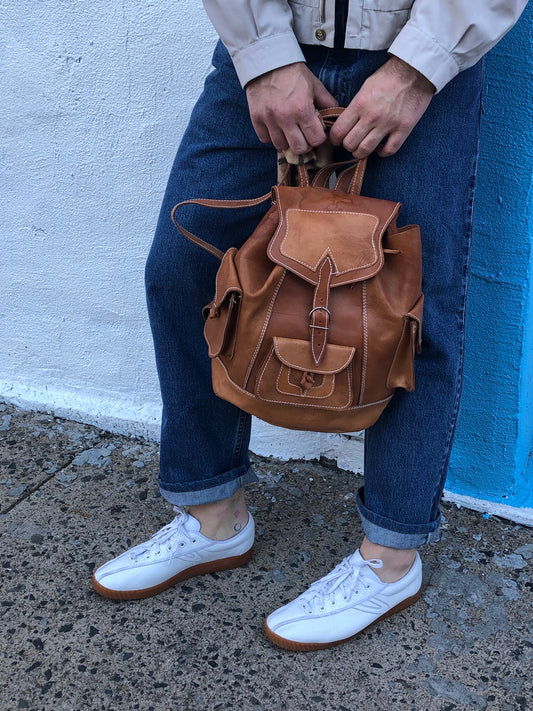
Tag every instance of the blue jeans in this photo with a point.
(204, 440)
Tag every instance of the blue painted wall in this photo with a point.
(493, 452)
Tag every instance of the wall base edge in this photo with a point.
(516, 514)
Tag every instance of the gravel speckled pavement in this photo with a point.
(71, 496)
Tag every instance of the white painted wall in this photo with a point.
(95, 98)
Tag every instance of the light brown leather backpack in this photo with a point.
(316, 318)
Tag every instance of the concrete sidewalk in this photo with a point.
(72, 496)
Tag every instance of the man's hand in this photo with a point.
(283, 105)
(385, 110)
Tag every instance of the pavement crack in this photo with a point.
(32, 489)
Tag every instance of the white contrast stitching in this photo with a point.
(266, 399)
(365, 345)
(282, 392)
(327, 212)
(254, 397)
(265, 324)
(284, 370)
(313, 336)
(294, 366)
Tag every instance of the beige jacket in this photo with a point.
(440, 38)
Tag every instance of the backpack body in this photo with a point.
(317, 317)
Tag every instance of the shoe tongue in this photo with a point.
(192, 524)
(357, 559)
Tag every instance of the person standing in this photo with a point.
(410, 77)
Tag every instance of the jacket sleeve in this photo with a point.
(443, 37)
(257, 33)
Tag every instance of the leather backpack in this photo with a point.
(316, 318)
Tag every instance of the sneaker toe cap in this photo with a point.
(117, 574)
(292, 623)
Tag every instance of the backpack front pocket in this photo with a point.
(289, 375)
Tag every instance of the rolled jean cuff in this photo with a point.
(394, 534)
(243, 475)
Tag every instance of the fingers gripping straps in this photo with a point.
(349, 180)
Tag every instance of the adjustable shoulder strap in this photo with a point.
(220, 204)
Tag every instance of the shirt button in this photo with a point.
(320, 35)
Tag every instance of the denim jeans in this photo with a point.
(204, 440)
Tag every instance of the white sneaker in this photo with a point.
(342, 604)
(176, 552)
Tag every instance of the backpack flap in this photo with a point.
(316, 223)
(294, 353)
(329, 239)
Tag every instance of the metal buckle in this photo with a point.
(320, 308)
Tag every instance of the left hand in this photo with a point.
(283, 105)
(384, 112)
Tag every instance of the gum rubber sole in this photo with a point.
(213, 566)
(293, 646)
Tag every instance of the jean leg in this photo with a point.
(204, 440)
(407, 451)
(433, 176)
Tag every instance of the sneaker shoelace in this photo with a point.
(170, 535)
(346, 579)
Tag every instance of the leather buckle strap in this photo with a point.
(320, 315)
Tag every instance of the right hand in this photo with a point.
(384, 111)
(283, 107)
